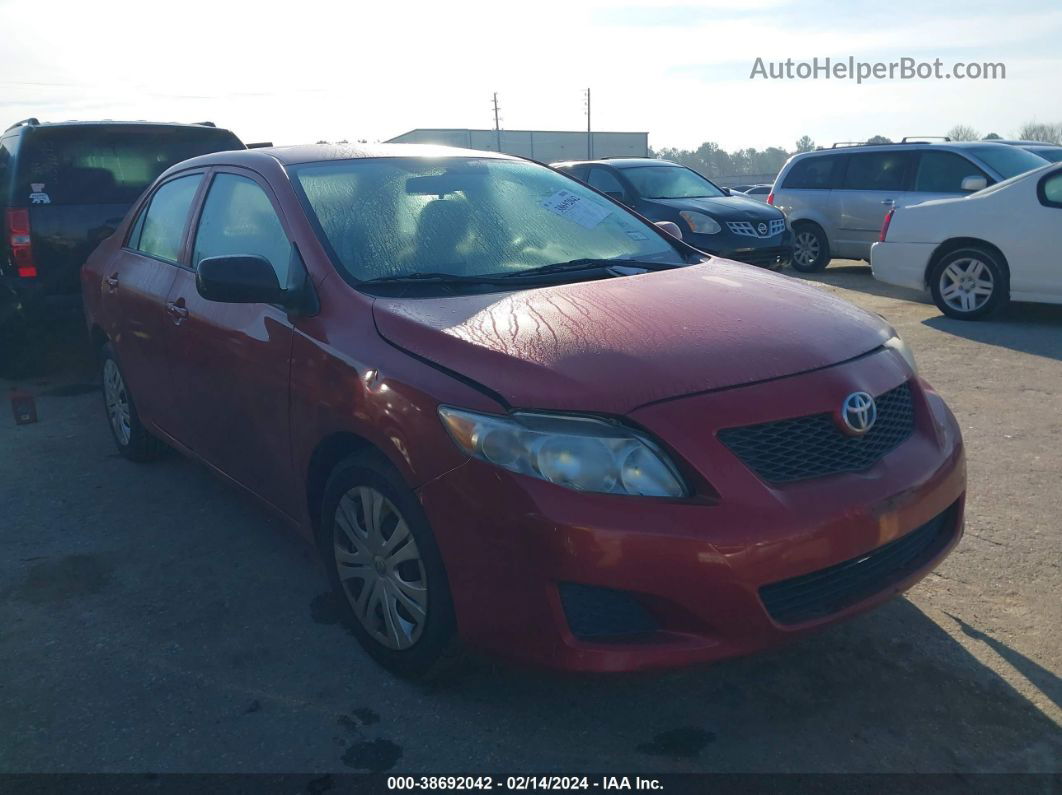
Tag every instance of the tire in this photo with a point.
(969, 283)
(811, 249)
(391, 584)
(131, 437)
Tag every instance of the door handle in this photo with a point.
(889, 202)
(177, 312)
(112, 283)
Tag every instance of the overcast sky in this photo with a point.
(301, 71)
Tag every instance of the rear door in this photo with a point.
(229, 363)
(136, 282)
(873, 183)
(806, 192)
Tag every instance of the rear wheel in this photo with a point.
(386, 569)
(811, 249)
(969, 284)
(132, 438)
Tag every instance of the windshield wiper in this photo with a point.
(590, 263)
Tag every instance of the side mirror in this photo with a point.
(243, 279)
(727, 191)
(671, 228)
(973, 183)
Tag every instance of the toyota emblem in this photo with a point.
(859, 412)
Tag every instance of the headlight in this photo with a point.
(902, 348)
(580, 453)
(700, 223)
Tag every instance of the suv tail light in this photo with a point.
(770, 198)
(18, 235)
(885, 225)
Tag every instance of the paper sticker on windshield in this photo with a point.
(576, 209)
(636, 236)
(39, 196)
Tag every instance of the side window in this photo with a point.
(943, 172)
(877, 171)
(162, 225)
(1051, 190)
(814, 173)
(238, 218)
(605, 181)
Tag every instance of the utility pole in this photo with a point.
(589, 135)
(497, 123)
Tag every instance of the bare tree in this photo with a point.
(963, 132)
(1037, 131)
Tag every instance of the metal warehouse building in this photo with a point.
(546, 146)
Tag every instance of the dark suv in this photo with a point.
(65, 186)
(710, 217)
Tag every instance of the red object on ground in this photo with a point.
(23, 406)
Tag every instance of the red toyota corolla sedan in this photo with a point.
(515, 416)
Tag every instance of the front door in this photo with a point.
(230, 363)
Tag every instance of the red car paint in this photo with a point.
(272, 400)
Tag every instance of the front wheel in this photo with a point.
(385, 567)
(811, 249)
(969, 284)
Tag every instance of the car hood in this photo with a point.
(612, 345)
(723, 208)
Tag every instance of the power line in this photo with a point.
(497, 124)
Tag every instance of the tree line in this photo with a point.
(713, 161)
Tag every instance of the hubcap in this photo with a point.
(380, 568)
(117, 401)
(806, 248)
(966, 284)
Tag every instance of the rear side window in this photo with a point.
(108, 164)
(877, 171)
(238, 218)
(943, 172)
(162, 225)
(814, 173)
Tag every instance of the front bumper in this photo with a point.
(770, 252)
(902, 264)
(513, 545)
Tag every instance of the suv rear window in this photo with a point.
(814, 173)
(107, 164)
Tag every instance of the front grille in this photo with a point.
(752, 228)
(602, 613)
(830, 590)
(810, 447)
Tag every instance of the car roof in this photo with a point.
(617, 162)
(313, 153)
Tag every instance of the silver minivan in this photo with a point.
(836, 199)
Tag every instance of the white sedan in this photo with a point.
(974, 253)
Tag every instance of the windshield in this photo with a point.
(670, 182)
(109, 164)
(394, 217)
(1007, 161)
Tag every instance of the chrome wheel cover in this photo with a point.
(380, 568)
(806, 248)
(966, 284)
(117, 401)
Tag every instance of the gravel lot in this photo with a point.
(152, 619)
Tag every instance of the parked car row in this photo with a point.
(515, 415)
